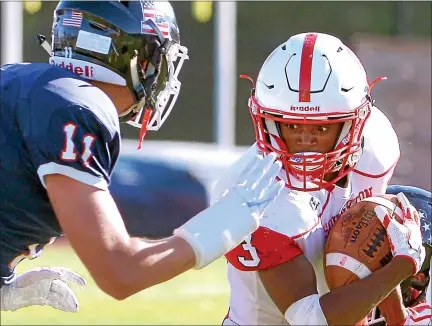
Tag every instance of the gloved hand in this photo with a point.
(256, 184)
(44, 287)
(405, 235)
(236, 214)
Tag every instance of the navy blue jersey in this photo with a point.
(51, 121)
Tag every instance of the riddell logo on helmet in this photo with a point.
(85, 71)
(305, 108)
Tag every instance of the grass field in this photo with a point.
(196, 297)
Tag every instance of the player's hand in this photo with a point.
(42, 287)
(405, 235)
(256, 185)
(236, 214)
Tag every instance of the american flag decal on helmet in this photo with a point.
(72, 18)
(149, 12)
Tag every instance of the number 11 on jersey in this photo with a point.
(69, 152)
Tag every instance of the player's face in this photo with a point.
(310, 138)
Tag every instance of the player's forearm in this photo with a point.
(392, 308)
(141, 264)
(349, 304)
(163, 260)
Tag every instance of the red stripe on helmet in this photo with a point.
(306, 67)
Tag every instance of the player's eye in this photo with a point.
(292, 126)
(322, 128)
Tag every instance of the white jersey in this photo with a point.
(299, 222)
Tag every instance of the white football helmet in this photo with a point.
(313, 78)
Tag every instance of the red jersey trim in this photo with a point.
(264, 249)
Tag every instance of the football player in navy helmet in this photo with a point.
(110, 61)
(415, 292)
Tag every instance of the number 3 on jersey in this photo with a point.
(69, 152)
(254, 259)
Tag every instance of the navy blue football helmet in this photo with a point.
(414, 289)
(128, 43)
(422, 200)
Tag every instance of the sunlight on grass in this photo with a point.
(196, 297)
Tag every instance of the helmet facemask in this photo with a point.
(307, 171)
(155, 84)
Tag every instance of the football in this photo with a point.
(358, 244)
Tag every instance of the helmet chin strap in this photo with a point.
(146, 105)
(140, 94)
(143, 130)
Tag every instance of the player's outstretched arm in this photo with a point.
(119, 264)
(123, 266)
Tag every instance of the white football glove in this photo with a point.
(405, 237)
(42, 287)
(257, 184)
(224, 225)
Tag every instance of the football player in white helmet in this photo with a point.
(312, 106)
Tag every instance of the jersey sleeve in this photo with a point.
(381, 150)
(75, 143)
(265, 248)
